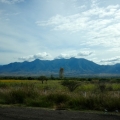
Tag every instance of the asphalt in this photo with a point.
(23, 113)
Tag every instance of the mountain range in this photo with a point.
(72, 67)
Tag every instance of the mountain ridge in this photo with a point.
(72, 67)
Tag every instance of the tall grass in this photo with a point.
(87, 96)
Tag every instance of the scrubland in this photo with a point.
(62, 94)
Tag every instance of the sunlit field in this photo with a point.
(62, 94)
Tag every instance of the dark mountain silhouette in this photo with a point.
(72, 67)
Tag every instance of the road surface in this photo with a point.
(22, 113)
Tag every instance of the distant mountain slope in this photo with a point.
(72, 66)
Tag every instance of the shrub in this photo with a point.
(18, 96)
(71, 85)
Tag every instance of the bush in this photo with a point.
(18, 96)
(71, 85)
(51, 100)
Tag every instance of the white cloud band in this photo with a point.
(41, 56)
(111, 60)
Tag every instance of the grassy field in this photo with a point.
(62, 94)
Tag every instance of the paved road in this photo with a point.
(21, 113)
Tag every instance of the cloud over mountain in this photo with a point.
(74, 54)
(47, 56)
(41, 56)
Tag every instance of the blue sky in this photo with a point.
(50, 29)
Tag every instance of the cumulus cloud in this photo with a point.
(74, 54)
(11, 1)
(47, 56)
(41, 56)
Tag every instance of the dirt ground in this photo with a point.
(21, 113)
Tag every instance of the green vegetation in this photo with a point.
(71, 85)
(77, 94)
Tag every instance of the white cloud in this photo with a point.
(65, 56)
(58, 19)
(94, 3)
(47, 56)
(74, 54)
(70, 23)
(111, 60)
(99, 24)
(116, 49)
(11, 1)
(41, 56)
(82, 7)
(94, 22)
(84, 53)
(13, 14)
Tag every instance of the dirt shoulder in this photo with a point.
(22, 113)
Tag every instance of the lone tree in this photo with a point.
(43, 78)
(61, 72)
